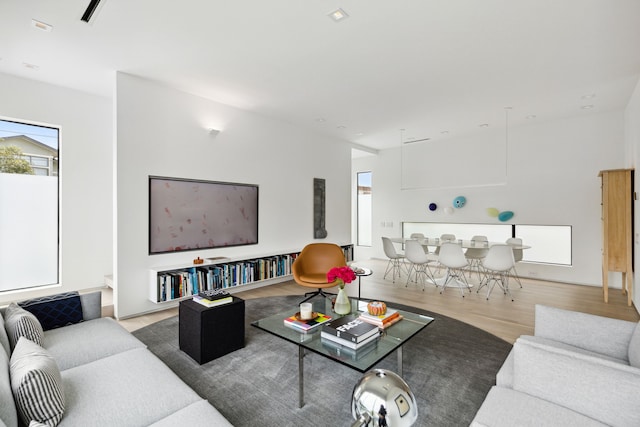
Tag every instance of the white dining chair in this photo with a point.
(475, 254)
(396, 260)
(444, 238)
(517, 256)
(416, 236)
(496, 265)
(419, 262)
(452, 257)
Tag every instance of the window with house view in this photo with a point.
(364, 209)
(29, 205)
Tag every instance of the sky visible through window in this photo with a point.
(45, 135)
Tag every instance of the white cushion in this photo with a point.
(36, 384)
(20, 323)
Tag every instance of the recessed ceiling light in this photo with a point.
(359, 134)
(30, 66)
(587, 107)
(484, 125)
(530, 116)
(321, 120)
(589, 96)
(338, 15)
(41, 25)
(341, 127)
(445, 132)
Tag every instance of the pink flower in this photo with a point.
(342, 274)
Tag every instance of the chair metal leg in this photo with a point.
(310, 295)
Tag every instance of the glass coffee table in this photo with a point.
(362, 359)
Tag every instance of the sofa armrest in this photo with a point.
(91, 305)
(600, 389)
(603, 335)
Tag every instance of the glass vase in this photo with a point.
(342, 305)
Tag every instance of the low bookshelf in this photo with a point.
(178, 282)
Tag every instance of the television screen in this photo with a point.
(186, 214)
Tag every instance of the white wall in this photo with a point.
(86, 178)
(552, 178)
(632, 139)
(162, 131)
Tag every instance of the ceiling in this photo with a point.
(435, 68)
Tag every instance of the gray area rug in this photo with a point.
(450, 366)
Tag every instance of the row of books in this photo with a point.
(190, 281)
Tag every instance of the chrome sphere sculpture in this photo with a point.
(383, 396)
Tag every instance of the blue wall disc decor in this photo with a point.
(505, 216)
(459, 202)
(433, 207)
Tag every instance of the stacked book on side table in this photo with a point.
(350, 331)
(213, 298)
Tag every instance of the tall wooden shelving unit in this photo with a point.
(617, 228)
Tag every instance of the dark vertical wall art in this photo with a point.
(319, 232)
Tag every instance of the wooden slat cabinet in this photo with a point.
(617, 228)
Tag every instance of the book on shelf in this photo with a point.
(383, 320)
(308, 324)
(350, 328)
(325, 336)
(212, 303)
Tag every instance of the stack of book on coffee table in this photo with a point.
(350, 331)
(384, 320)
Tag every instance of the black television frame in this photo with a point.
(222, 184)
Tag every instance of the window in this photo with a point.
(550, 244)
(364, 209)
(29, 205)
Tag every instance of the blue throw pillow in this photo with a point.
(54, 311)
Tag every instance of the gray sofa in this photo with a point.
(108, 377)
(576, 370)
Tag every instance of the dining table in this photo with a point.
(466, 244)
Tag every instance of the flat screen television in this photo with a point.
(189, 214)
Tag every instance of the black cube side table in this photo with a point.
(206, 333)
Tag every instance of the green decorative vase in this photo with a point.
(342, 305)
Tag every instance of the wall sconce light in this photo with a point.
(213, 132)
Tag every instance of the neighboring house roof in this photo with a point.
(29, 145)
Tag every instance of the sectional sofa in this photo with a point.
(86, 370)
(576, 370)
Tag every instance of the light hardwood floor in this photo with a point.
(498, 315)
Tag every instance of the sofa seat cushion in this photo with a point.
(505, 407)
(504, 378)
(132, 388)
(88, 341)
(599, 334)
(36, 384)
(600, 389)
(198, 414)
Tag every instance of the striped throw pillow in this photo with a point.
(36, 384)
(20, 323)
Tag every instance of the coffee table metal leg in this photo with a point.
(400, 361)
(300, 376)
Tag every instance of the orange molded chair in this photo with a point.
(312, 265)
